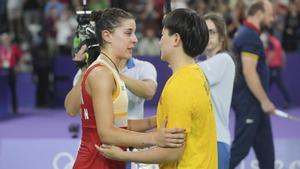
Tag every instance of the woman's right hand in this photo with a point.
(169, 137)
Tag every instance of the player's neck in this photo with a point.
(112, 61)
(122, 64)
(253, 20)
(179, 61)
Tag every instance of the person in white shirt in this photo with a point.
(219, 69)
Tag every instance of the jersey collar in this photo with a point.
(252, 26)
(130, 63)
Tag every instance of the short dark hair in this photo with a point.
(256, 6)
(191, 27)
(109, 19)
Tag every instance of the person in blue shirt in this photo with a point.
(250, 100)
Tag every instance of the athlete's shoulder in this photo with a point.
(98, 72)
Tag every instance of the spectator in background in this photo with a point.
(51, 31)
(118, 4)
(149, 44)
(3, 17)
(98, 4)
(280, 12)
(41, 69)
(14, 10)
(179, 4)
(149, 13)
(59, 7)
(66, 2)
(9, 56)
(65, 27)
(291, 34)
(32, 14)
(276, 61)
(238, 17)
(200, 6)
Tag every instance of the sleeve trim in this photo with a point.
(250, 55)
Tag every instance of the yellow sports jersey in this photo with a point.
(186, 103)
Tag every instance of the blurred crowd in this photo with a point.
(43, 29)
(49, 25)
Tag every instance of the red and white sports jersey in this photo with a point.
(88, 157)
(120, 100)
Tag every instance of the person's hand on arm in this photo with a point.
(103, 108)
(254, 83)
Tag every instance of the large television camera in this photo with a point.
(85, 35)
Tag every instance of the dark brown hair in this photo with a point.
(109, 19)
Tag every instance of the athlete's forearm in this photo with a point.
(153, 155)
(127, 138)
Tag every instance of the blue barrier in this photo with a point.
(64, 71)
(26, 90)
(291, 79)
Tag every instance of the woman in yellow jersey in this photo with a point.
(185, 100)
(104, 99)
